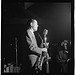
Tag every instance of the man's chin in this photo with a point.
(36, 30)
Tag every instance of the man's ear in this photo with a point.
(31, 23)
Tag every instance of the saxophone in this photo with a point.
(44, 57)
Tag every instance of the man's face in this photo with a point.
(35, 25)
(65, 44)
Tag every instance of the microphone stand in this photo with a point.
(45, 39)
(47, 63)
(17, 67)
(16, 51)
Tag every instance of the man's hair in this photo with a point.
(30, 20)
(28, 25)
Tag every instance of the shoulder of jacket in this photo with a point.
(28, 31)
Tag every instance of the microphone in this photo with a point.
(45, 32)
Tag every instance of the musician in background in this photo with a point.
(63, 56)
(32, 51)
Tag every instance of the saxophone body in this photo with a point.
(44, 57)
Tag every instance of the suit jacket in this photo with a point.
(34, 50)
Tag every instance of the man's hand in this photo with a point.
(44, 49)
(46, 44)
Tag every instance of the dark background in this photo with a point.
(56, 17)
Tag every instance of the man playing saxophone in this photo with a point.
(31, 47)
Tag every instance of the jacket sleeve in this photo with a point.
(33, 45)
